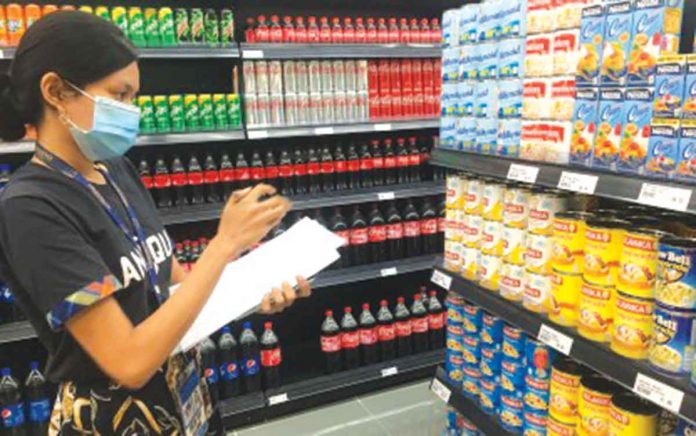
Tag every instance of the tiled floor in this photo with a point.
(410, 410)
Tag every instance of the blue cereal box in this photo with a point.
(669, 86)
(450, 28)
(591, 43)
(686, 166)
(636, 130)
(467, 98)
(617, 44)
(466, 133)
(468, 24)
(607, 142)
(513, 20)
(486, 135)
(511, 57)
(450, 64)
(448, 132)
(486, 99)
(510, 98)
(584, 126)
(689, 106)
(469, 62)
(488, 60)
(509, 133)
(663, 148)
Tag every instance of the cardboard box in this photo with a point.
(663, 148)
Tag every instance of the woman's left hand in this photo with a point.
(281, 298)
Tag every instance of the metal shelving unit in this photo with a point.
(16, 331)
(192, 52)
(339, 129)
(336, 51)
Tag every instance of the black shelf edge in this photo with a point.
(487, 424)
(339, 129)
(242, 410)
(183, 138)
(615, 186)
(335, 51)
(212, 211)
(183, 52)
(7, 53)
(16, 331)
(592, 354)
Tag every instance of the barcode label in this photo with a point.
(555, 339)
(324, 131)
(383, 127)
(258, 134)
(382, 196)
(659, 393)
(666, 197)
(386, 272)
(252, 54)
(441, 279)
(523, 173)
(277, 399)
(388, 372)
(583, 183)
(440, 390)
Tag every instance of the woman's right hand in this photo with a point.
(245, 220)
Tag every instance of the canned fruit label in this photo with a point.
(563, 402)
(584, 126)
(489, 271)
(491, 238)
(602, 251)
(591, 42)
(492, 201)
(674, 340)
(636, 130)
(516, 207)
(514, 245)
(593, 408)
(453, 253)
(617, 40)
(638, 262)
(470, 260)
(536, 394)
(676, 276)
(456, 186)
(514, 341)
(538, 253)
(596, 313)
(542, 209)
(669, 86)
(633, 326)
(608, 137)
(567, 254)
(556, 428)
(537, 289)
(565, 294)
(663, 148)
(511, 285)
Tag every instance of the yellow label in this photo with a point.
(638, 262)
(567, 254)
(625, 423)
(537, 255)
(489, 271)
(453, 260)
(542, 209)
(596, 313)
(472, 230)
(565, 294)
(492, 201)
(555, 428)
(602, 251)
(454, 198)
(633, 326)
(514, 245)
(472, 197)
(593, 407)
(492, 238)
(563, 399)
(470, 262)
(516, 207)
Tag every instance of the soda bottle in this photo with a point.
(242, 173)
(350, 339)
(368, 336)
(340, 168)
(404, 32)
(145, 174)
(288, 30)
(419, 324)
(11, 406)
(414, 160)
(195, 253)
(377, 235)
(228, 351)
(386, 332)
(300, 172)
(257, 170)
(285, 173)
(353, 168)
(365, 167)
(412, 230)
(180, 255)
(211, 370)
(428, 228)
(340, 228)
(435, 31)
(272, 171)
(377, 164)
(426, 170)
(358, 238)
(250, 359)
(415, 33)
(211, 178)
(38, 404)
(331, 343)
(360, 31)
(395, 233)
(441, 223)
(261, 32)
(32, 13)
(162, 183)
(425, 32)
(300, 31)
(195, 180)
(390, 171)
(250, 30)
(348, 31)
(275, 31)
(403, 328)
(179, 183)
(337, 36)
(393, 32)
(313, 172)
(271, 357)
(226, 28)
(402, 162)
(226, 175)
(382, 31)
(436, 321)
(371, 31)
(312, 30)
(324, 31)
(327, 170)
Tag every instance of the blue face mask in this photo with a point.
(114, 129)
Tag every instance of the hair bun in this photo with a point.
(11, 124)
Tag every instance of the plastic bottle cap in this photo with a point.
(247, 325)
(268, 325)
(34, 365)
(433, 293)
(329, 313)
(348, 310)
(400, 299)
(417, 297)
(383, 303)
(366, 306)
(5, 372)
(226, 329)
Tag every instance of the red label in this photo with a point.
(313, 168)
(242, 174)
(412, 229)
(414, 159)
(353, 165)
(227, 175)
(419, 325)
(428, 226)
(386, 332)
(272, 172)
(350, 340)
(368, 336)
(271, 357)
(403, 328)
(377, 234)
(358, 236)
(349, 35)
(436, 321)
(325, 35)
(377, 163)
(340, 166)
(441, 224)
(285, 171)
(195, 178)
(162, 181)
(331, 344)
(390, 162)
(366, 164)
(211, 177)
(179, 179)
(395, 231)
(300, 170)
(402, 161)
(258, 173)
(327, 167)
(345, 234)
(147, 181)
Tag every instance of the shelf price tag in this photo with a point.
(324, 131)
(583, 183)
(252, 54)
(441, 279)
(555, 339)
(666, 197)
(659, 393)
(386, 272)
(440, 390)
(2, 54)
(258, 134)
(382, 196)
(388, 372)
(383, 127)
(523, 173)
(277, 399)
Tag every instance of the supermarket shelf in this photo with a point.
(166, 53)
(652, 192)
(17, 147)
(593, 354)
(16, 331)
(487, 424)
(212, 211)
(243, 410)
(339, 129)
(7, 52)
(331, 51)
(184, 138)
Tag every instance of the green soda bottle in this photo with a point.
(136, 26)
(212, 27)
(176, 113)
(152, 33)
(147, 114)
(119, 16)
(162, 120)
(183, 31)
(165, 17)
(220, 111)
(205, 112)
(196, 24)
(103, 12)
(226, 27)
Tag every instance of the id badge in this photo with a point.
(190, 393)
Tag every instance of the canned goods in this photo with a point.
(489, 395)
(536, 394)
(490, 361)
(277, 114)
(261, 79)
(453, 252)
(543, 206)
(454, 194)
(212, 27)
(119, 17)
(197, 27)
(302, 76)
(488, 272)
(568, 252)
(633, 326)
(513, 342)
(491, 330)
(289, 83)
(685, 428)
(226, 27)
(303, 112)
(470, 260)
(471, 350)
(315, 108)
(147, 114)
(537, 256)
(593, 405)
(631, 416)
(162, 120)
(514, 245)
(165, 17)
(538, 357)
(511, 285)
(206, 111)
(136, 26)
(152, 33)
(352, 110)
(534, 424)
(328, 108)
(638, 262)
(565, 294)
(451, 233)
(470, 381)
(291, 118)
(455, 309)
(454, 335)
(251, 108)
(275, 77)
(492, 238)
(596, 311)
(537, 290)
(454, 365)
(674, 339)
(472, 229)
(676, 273)
(565, 385)
(516, 206)
(472, 318)
(557, 428)
(492, 201)
(326, 76)
(603, 242)
(177, 113)
(511, 412)
(339, 75)
(191, 116)
(473, 201)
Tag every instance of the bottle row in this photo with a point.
(25, 409)
(189, 113)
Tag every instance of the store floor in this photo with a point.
(410, 410)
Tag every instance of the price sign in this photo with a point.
(258, 134)
(324, 131)
(659, 393)
(277, 399)
(386, 272)
(440, 390)
(2, 55)
(523, 173)
(383, 127)
(441, 279)
(388, 372)
(666, 197)
(555, 339)
(382, 196)
(583, 183)
(252, 54)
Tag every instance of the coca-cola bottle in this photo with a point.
(258, 171)
(368, 336)
(360, 31)
(271, 357)
(145, 175)
(288, 30)
(275, 31)
(300, 172)
(313, 171)
(426, 37)
(393, 31)
(226, 175)
(179, 183)
(436, 321)
(414, 28)
(348, 31)
(336, 31)
(285, 174)
(377, 235)
(395, 233)
(350, 339)
(403, 328)
(211, 178)
(340, 228)
(386, 332)
(358, 238)
(300, 31)
(324, 30)
(365, 167)
(377, 164)
(390, 168)
(371, 31)
(404, 31)
(272, 172)
(428, 228)
(414, 160)
(403, 174)
(195, 180)
(331, 343)
(327, 170)
(435, 31)
(242, 173)
(419, 325)
(382, 31)
(261, 32)
(162, 183)
(412, 230)
(441, 223)
(341, 169)
(228, 352)
(353, 168)
(312, 30)
(250, 30)
(426, 170)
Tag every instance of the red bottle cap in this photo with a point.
(435, 22)
(268, 325)
(347, 309)
(414, 21)
(400, 300)
(311, 19)
(323, 20)
(370, 20)
(403, 21)
(383, 303)
(381, 21)
(261, 18)
(336, 20)
(274, 18)
(329, 313)
(299, 20)
(432, 293)
(359, 21)
(424, 21)
(417, 297)
(392, 20)
(287, 19)
(366, 306)
(348, 20)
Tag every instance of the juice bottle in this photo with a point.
(15, 23)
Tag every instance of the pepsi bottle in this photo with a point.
(162, 183)
(377, 235)
(412, 230)
(419, 325)
(350, 340)
(377, 164)
(368, 336)
(428, 228)
(250, 359)
(271, 357)
(331, 343)
(328, 170)
(358, 238)
(210, 368)
(395, 233)
(226, 175)
(403, 328)
(11, 406)
(353, 168)
(195, 181)
(211, 179)
(38, 404)
(386, 331)
(228, 352)
(340, 228)
(300, 172)
(436, 321)
(285, 174)
(341, 169)
(242, 172)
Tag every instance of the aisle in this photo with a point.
(410, 410)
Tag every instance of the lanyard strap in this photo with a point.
(137, 237)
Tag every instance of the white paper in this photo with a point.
(304, 249)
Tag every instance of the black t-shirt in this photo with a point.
(60, 252)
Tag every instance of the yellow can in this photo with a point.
(514, 245)
(453, 260)
(565, 390)
(470, 262)
(516, 206)
(596, 311)
(631, 416)
(603, 242)
(492, 238)
(537, 289)
(511, 285)
(638, 262)
(451, 231)
(492, 201)
(543, 206)
(456, 186)
(489, 271)
(557, 428)
(472, 229)
(473, 197)
(565, 294)
(633, 326)
(537, 255)
(568, 251)
(593, 405)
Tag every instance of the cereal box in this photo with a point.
(488, 20)
(450, 28)
(538, 16)
(562, 98)
(669, 86)
(538, 60)
(656, 29)
(486, 135)
(513, 21)
(486, 99)
(557, 142)
(584, 126)
(686, 165)
(468, 24)
(591, 43)
(608, 139)
(617, 43)
(509, 132)
(636, 130)
(566, 50)
(450, 64)
(466, 133)
(511, 57)
(536, 98)
(467, 98)
(488, 60)
(510, 98)
(689, 106)
(532, 140)
(448, 132)
(663, 148)
(569, 13)
(469, 62)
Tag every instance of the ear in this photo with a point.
(55, 92)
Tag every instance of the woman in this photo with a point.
(83, 249)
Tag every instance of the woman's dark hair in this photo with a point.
(79, 47)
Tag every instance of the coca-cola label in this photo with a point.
(147, 181)
(419, 325)
(359, 236)
(327, 168)
(258, 173)
(368, 336)
(350, 340)
(272, 172)
(377, 163)
(242, 174)
(377, 233)
(428, 226)
(366, 164)
(402, 161)
(340, 166)
(436, 321)
(395, 231)
(331, 344)
(414, 159)
(179, 179)
(386, 332)
(285, 171)
(390, 162)
(353, 165)
(403, 328)
(271, 357)
(300, 170)
(211, 177)
(412, 229)
(441, 224)
(162, 181)
(227, 175)
(313, 168)
(195, 178)
(345, 234)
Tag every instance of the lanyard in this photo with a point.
(137, 237)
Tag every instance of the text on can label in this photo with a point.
(441, 279)
(523, 173)
(555, 339)
(659, 393)
(667, 197)
(583, 183)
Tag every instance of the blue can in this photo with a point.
(454, 363)
(536, 395)
(467, 427)
(472, 319)
(514, 341)
(489, 395)
(455, 339)
(470, 381)
(471, 350)
(674, 339)
(534, 424)
(685, 428)
(538, 358)
(511, 412)
(455, 310)
(490, 361)
(511, 375)
(491, 330)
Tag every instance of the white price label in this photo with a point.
(386, 272)
(441, 279)
(583, 183)
(2, 54)
(659, 393)
(277, 399)
(383, 127)
(440, 390)
(258, 134)
(667, 197)
(555, 339)
(324, 131)
(388, 372)
(523, 173)
(382, 196)
(252, 54)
